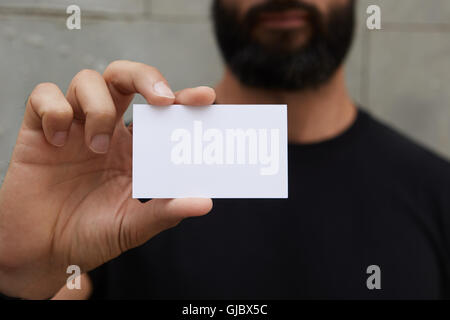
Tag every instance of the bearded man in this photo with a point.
(368, 214)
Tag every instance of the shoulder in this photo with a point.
(401, 155)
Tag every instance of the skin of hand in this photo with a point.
(66, 198)
(83, 293)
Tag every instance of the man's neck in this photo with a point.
(313, 115)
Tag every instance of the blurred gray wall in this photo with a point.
(400, 73)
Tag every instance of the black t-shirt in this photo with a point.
(367, 197)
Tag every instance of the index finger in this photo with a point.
(126, 78)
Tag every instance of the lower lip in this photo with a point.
(283, 21)
(283, 24)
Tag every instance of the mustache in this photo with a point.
(252, 17)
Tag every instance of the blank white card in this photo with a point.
(218, 151)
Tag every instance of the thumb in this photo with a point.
(142, 221)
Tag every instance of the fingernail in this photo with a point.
(100, 143)
(162, 90)
(59, 138)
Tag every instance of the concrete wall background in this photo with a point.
(400, 73)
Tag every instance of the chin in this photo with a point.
(282, 40)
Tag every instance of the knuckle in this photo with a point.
(139, 67)
(135, 67)
(87, 74)
(44, 88)
(115, 68)
(42, 92)
(117, 64)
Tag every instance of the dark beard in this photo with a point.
(260, 66)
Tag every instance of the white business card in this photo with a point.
(218, 151)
